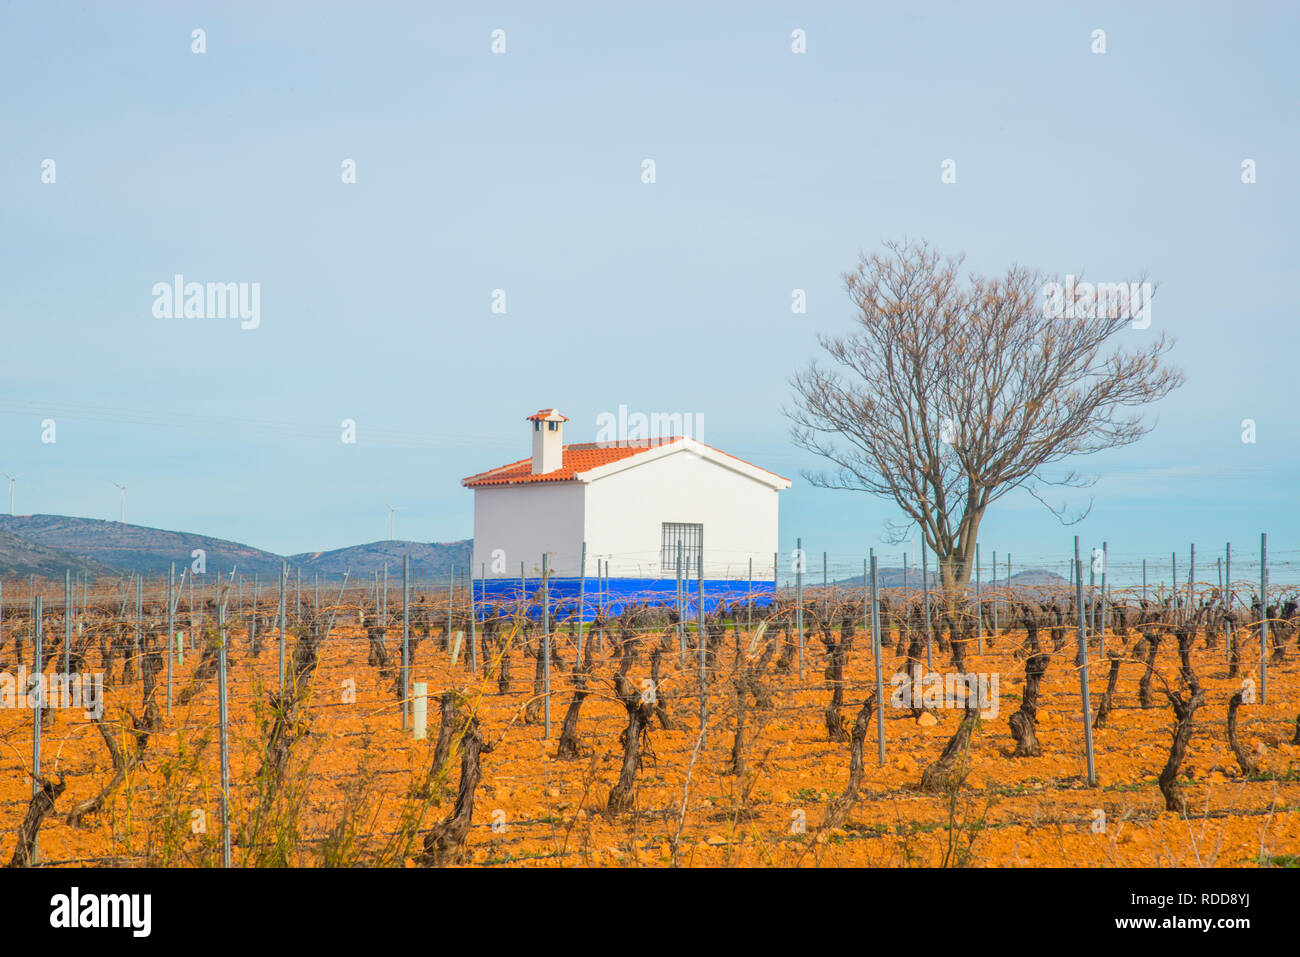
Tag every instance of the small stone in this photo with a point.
(927, 720)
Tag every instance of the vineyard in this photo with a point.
(237, 730)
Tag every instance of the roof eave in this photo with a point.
(707, 452)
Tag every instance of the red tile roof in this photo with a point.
(546, 414)
(577, 459)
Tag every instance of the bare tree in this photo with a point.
(947, 396)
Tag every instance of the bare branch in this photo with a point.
(947, 395)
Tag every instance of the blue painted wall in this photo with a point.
(616, 593)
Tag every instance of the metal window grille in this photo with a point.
(691, 538)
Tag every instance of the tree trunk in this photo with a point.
(639, 713)
(915, 671)
(1058, 628)
(203, 672)
(107, 651)
(127, 649)
(834, 675)
(570, 745)
(1144, 686)
(1186, 635)
(838, 811)
(1184, 711)
(534, 711)
(151, 663)
(1023, 719)
(737, 763)
(448, 722)
(1244, 758)
(662, 700)
(789, 646)
(42, 803)
(445, 844)
(955, 558)
(1103, 711)
(121, 765)
(503, 666)
(943, 774)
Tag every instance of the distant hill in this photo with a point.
(45, 545)
(885, 577)
(893, 578)
(1038, 576)
(136, 548)
(431, 560)
(20, 557)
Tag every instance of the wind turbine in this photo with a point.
(392, 514)
(123, 488)
(12, 479)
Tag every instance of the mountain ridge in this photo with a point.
(46, 544)
(21, 557)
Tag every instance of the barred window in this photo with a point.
(691, 539)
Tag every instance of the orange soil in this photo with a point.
(1011, 811)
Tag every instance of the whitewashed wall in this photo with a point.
(526, 520)
(625, 511)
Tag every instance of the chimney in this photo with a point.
(548, 440)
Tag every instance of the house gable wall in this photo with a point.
(624, 513)
(526, 520)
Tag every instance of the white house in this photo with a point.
(632, 502)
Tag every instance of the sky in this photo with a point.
(522, 171)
